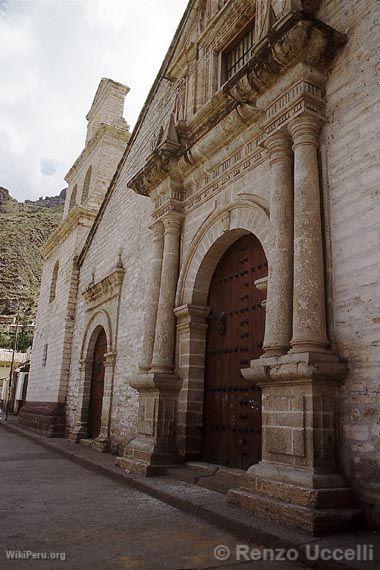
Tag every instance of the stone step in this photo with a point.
(94, 444)
(207, 475)
(335, 497)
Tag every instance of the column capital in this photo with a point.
(172, 222)
(305, 129)
(191, 315)
(109, 358)
(157, 228)
(279, 146)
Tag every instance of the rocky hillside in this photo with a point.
(24, 228)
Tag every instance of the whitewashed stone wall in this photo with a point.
(45, 380)
(123, 229)
(350, 153)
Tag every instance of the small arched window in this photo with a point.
(86, 184)
(53, 285)
(73, 198)
(44, 355)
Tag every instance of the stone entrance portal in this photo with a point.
(97, 386)
(232, 405)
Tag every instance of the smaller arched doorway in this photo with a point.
(232, 406)
(94, 420)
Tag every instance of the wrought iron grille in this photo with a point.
(239, 54)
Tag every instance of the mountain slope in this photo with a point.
(22, 233)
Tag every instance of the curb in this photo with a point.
(219, 513)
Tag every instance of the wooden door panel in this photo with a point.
(97, 386)
(232, 407)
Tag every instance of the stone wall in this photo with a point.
(45, 378)
(350, 152)
(123, 230)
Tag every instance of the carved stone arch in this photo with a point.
(101, 319)
(216, 234)
(99, 322)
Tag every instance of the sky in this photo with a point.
(53, 54)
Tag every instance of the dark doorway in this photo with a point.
(232, 405)
(97, 386)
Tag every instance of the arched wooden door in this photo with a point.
(97, 386)
(232, 406)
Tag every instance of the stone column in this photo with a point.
(153, 297)
(163, 353)
(309, 317)
(101, 443)
(192, 331)
(79, 430)
(296, 482)
(278, 325)
(155, 444)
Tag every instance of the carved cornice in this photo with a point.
(169, 202)
(296, 37)
(105, 289)
(155, 170)
(78, 216)
(299, 98)
(166, 148)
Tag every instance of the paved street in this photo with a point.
(51, 505)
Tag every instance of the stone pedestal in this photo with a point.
(296, 484)
(154, 447)
(47, 418)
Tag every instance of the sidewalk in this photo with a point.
(207, 504)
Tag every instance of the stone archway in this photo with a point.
(212, 240)
(99, 324)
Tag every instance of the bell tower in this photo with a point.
(88, 180)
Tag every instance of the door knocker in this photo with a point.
(222, 323)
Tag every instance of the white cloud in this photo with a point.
(53, 55)
(48, 166)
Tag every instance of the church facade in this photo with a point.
(210, 292)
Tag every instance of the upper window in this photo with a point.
(239, 52)
(53, 284)
(86, 184)
(73, 198)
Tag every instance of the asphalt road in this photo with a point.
(52, 507)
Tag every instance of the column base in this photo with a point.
(146, 462)
(154, 448)
(313, 511)
(78, 433)
(296, 483)
(99, 444)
